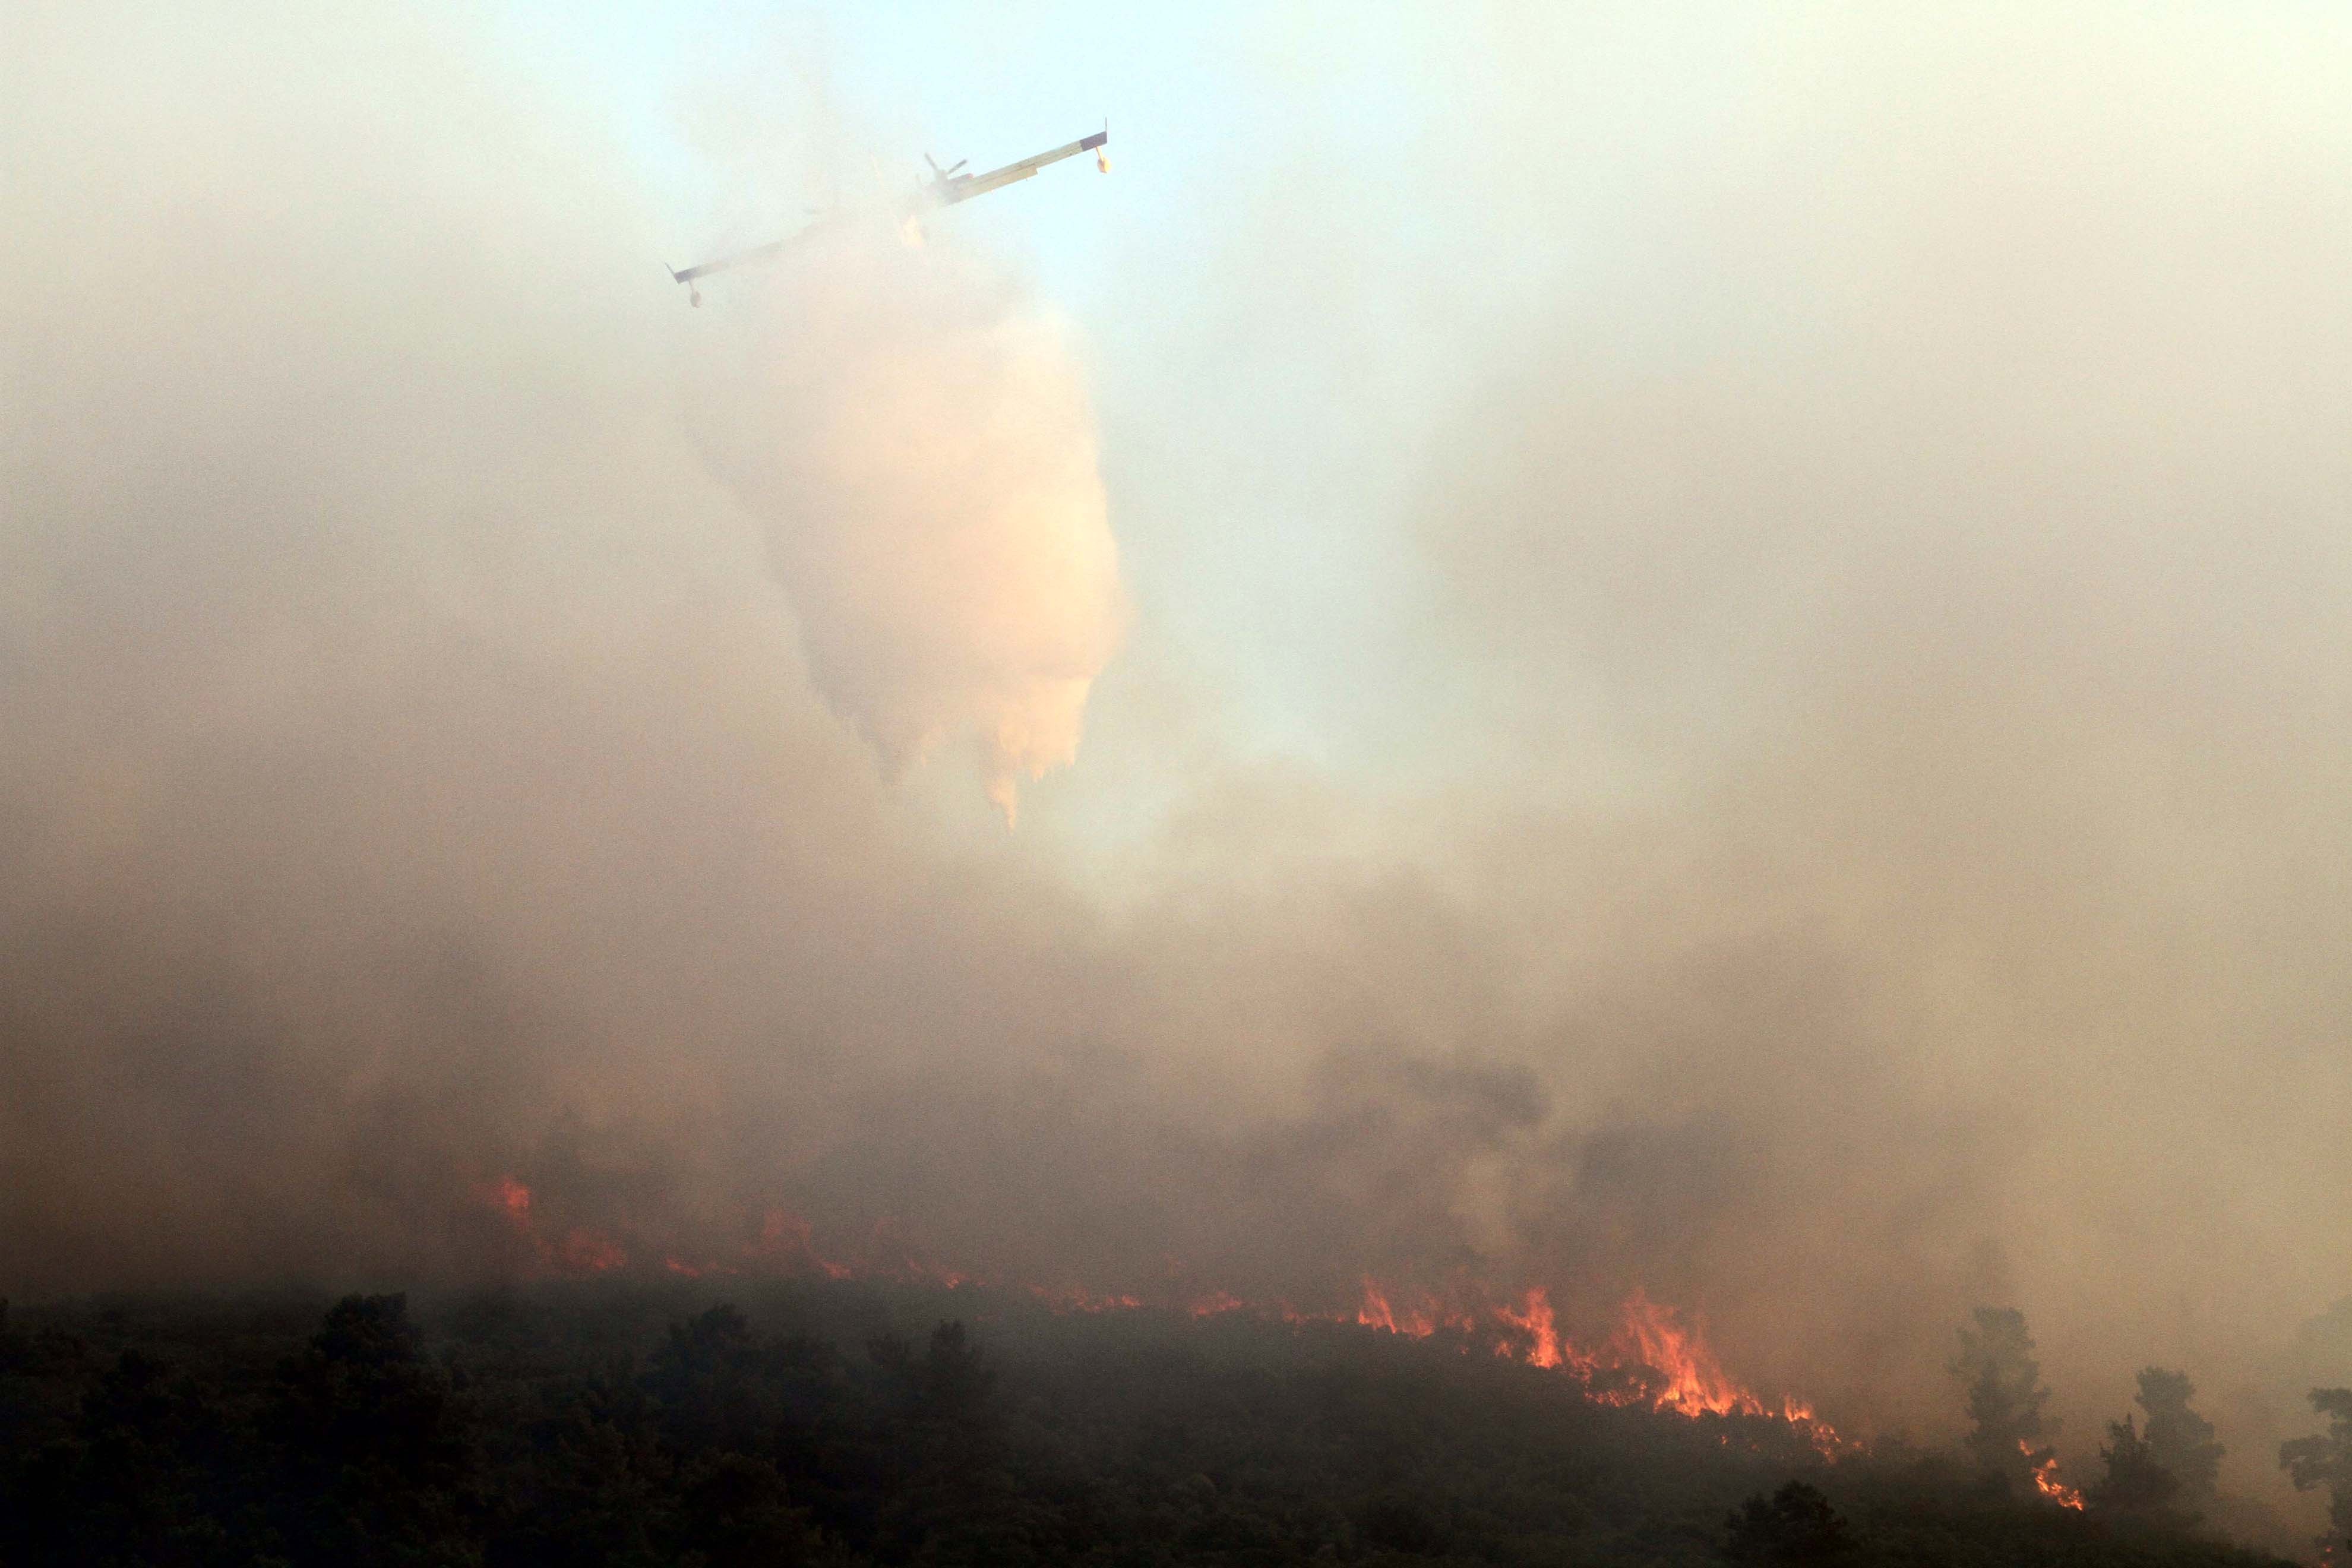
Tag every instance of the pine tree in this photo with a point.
(2325, 1460)
(2179, 1438)
(2006, 1424)
(2135, 1482)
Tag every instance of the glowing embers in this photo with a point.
(514, 1197)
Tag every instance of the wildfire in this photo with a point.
(1075, 1298)
(512, 1197)
(1691, 1381)
(786, 1235)
(2045, 1476)
(1418, 1321)
(1534, 1319)
(1653, 1357)
(576, 1251)
(586, 1251)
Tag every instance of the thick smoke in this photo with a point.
(1888, 647)
(915, 438)
(1963, 651)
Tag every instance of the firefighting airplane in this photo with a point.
(943, 189)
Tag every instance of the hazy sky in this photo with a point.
(1713, 644)
(1307, 205)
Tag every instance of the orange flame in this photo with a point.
(786, 1235)
(1534, 1319)
(591, 1252)
(1077, 1299)
(1651, 1337)
(2045, 1477)
(1666, 1364)
(580, 1251)
(1416, 1320)
(1653, 1357)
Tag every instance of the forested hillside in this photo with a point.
(618, 1424)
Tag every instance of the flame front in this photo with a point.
(1692, 1381)
(578, 1249)
(1534, 1319)
(1653, 1357)
(2045, 1477)
(785, 1235)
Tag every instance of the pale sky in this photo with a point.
(1303, 208)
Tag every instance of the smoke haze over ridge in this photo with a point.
(1868, 634)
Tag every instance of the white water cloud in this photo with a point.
(915, 437)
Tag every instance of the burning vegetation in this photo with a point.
(639, 1418)
(1652, 1357)
(1748, 804)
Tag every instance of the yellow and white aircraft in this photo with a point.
(944, 188)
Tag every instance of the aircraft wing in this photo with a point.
(963, 187)
(946, 190)
(767, 252)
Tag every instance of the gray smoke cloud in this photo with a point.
(1901, 727)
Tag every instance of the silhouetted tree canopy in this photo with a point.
(2135, 1482)
(2179, 1440)
(372, 1443)
(2326, 1459)
(619, 1425)
(1996, 1366)
(1797, 1526)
